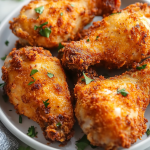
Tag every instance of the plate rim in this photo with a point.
(28, 140)
(23, 137)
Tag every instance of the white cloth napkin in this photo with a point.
(7, 140)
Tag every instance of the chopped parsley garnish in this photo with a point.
(58, 124)
(46, 103)
(45, 32)
(39, 10)
(2, 84)
(3, 58)
(33, 71)
(5, 97)
(116, 13)
(87, 80)
(97, 37)
(89, 23)
(32, 81)
(6, 43)
(31, 131)
(87, 40)
(20, 119)
(123, 92)
(82, 79)
(60, 46)
(61, 14)
(83, 143)
(148, 132)
(35, 27)
(50, 75)
(23, 148)
(72, 5)
(142, 67)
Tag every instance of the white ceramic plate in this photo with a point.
(11, 119)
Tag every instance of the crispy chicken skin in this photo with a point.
(65, 18)
(107, 6)
(28, 99)
(109, 119)
(118, 40)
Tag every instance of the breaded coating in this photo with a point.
(107, 6)
(65, 18)
(118, 40)
(107, 117)
(28, 92)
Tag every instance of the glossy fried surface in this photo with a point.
(118, 40)
(28, 99)
(109, 119)
(65, 18)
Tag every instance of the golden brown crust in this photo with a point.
(118, 40)
(75, 15)
(107, 6)
(28, 99)
(110, 119)
(63, 27)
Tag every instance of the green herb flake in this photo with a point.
(35, 27)
(142, 67)
(60, 46)
(3, 58)
(10, 110)
(2, 84)
(89, 23)
(32, 81)
(116, 13)
(72, 5)
(97, 37)
(61, 14)
(46, 102)
(148, 132)
(87, 40)
(87, 80)
(39, 10)
(82, 79)
(123, 92)
(20, 119)
(5, 98)
(33, 71)
(58, 124)
(31, 132)
(6, 43)
(45, 32)
(83, 143)
(24, 148)
(50, 75)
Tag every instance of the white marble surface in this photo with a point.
(7, 6)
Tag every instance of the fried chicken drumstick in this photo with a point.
(111, 111)
(46, 23)
(118, 40)
(36, 85)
